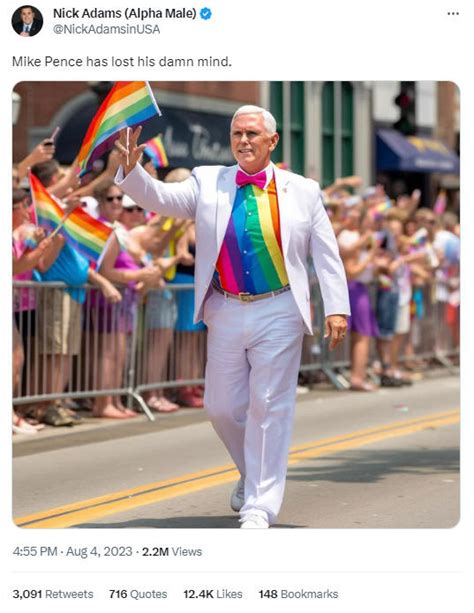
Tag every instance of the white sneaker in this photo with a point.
(251, 522)
(237, 498)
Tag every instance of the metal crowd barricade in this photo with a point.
(141, 346)
(75, 344)
(83, 351)
(170, 353)
(433, 336)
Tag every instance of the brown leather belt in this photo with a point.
(246, 297)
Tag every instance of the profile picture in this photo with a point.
(27, 21)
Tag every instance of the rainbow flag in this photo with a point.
(420, 237)
(48, 211)
(128, 104)
(155, 150)
(378, 212)
(87, 235)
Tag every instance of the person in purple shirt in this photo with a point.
(113, 322)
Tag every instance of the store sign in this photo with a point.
(191, 138)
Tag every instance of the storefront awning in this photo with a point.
(413, 153)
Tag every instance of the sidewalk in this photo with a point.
(94, 429)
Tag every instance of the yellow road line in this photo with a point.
(125, 500)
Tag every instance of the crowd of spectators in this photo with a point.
(52, 327)
(393, 250)
(401, 259)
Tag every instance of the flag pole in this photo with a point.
(54, 134)
(61, 223)
(152, 97)
(128, 146)
(104, 250)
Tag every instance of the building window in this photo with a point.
(337, 131)
(276, 108)
(297, 99)
(287, 104)
(328, 134)
(347, 129)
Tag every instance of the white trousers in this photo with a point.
(254, 353)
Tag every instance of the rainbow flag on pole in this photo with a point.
(155, 150)
(87, 235)
(128, 104)
(48, 211)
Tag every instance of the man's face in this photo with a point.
(27, 15)
(251, 144)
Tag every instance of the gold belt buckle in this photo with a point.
(245, 296)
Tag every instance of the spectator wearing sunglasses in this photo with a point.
(132, 214)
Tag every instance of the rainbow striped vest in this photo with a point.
(251, 256)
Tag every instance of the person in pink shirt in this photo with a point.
(28, 247)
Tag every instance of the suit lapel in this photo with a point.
(226, 189)
(281, 181)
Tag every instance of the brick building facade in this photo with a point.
(44, 105)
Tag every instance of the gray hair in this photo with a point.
(268, 119)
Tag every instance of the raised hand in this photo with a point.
(43, 152)
(129, 152)
(72, 202)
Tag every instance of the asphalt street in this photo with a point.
(388, 459)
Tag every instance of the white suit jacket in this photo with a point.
(208, 196)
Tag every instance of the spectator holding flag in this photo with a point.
(29, 247)
(59, 333)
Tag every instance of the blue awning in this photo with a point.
(414, 153)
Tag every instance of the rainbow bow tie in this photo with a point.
(258, 180)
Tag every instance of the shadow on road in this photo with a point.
(203, 521)
(372, 466)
